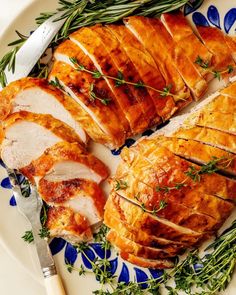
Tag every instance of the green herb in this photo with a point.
(56, 83)
(28, 236)
(93, 96)
(120, 80)
(120, 184)
(162, 205)
(80, 13)
(209, 168)
(203, 64)
(167, 189)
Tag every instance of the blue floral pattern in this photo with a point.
(124, 271)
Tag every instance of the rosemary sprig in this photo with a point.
(217, 74)
(120, 80)
(80, 13)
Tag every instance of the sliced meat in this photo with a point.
(229, 91)
(179, 28)
(218, 114)
(200, 153)
(147, 263)
(148, 70)
(145, 31)
(135, 249)
(82, 196)
(191, 76)
(214, 40)
(37, 96)
(209, 136)
(65, 161)
(151, 225)
(64, 222)
(130, 74)
(99, 102)
(85, 39)
(27, 135)
(140, 237)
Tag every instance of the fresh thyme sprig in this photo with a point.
(209, 168)
(80, 13)
(120, 184)
(162, 205)
(167, 189)
(120, 80)
(56, 83)
(93, 96)
(217, 74)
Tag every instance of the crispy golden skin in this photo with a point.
(146, 33)
(199, 152)
(127, 101)
(110, 116)
(62, 130)
(61, 191)
(183, 35)
(133, 215)
(147, 68)
(209, 136)
(61, 152)
(134, 248)
(62, 221)
(214, 40)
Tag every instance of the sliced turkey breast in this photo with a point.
(64, 222)
(147, 68)
(150, 224)
(37, 96)
(183, 64)
(179, 28)
(126, 67)
(147, 263)
(214, 40)
(209, 136)
(85, 39)
(99, 102)
(219, 115)
(145, 31)
(200, 153)
(82, 196)
(134, 248)
(229, 91)
(65, 161)
(27, 135)
(141, 237)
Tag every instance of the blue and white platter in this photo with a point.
(218, 13)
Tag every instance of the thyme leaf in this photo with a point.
(120, 184)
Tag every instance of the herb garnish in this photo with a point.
(120, 184)
(162, 205)
(56, 83)
(80, 13)
(217, 74)
(120, 80)
(167, 189)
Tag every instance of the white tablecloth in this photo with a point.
(13, 278)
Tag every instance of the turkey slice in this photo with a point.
(85, 39)
(65, 161)
(209, 136)
(81, 195)
(147, 68)
(27, 135)
(37, 96)
(72, 226)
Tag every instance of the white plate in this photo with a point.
(13, 225)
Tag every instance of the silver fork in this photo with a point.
(31, 207)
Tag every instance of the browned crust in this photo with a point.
(214, 40)
(61, 152)
(61, 191)
(147, 68)
(209, 136)
(136, 249)
(61, 219)
(57, 127)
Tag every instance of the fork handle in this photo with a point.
(54, 286)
